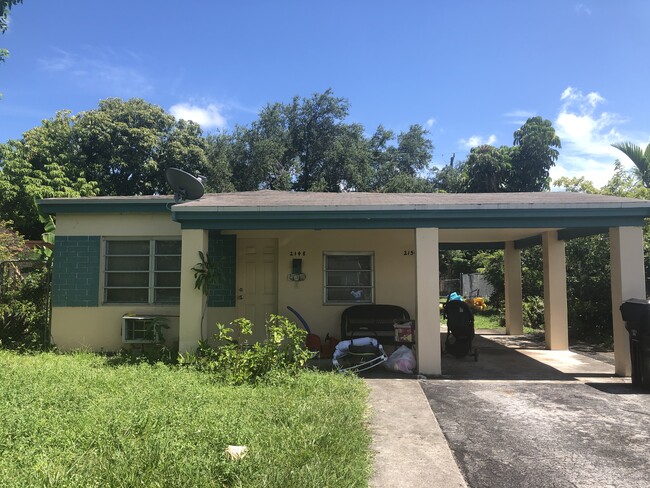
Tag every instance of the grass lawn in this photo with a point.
(488, 320)
(74, 420)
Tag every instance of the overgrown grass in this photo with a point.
(73, 420)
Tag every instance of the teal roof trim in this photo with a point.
(471, 246)
(568, 234)
(408, 219)
(528, 242)
(89, 206)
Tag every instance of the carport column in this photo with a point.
(512, 272)
(628, 281)
(556, 325)
(192, 300)
(427, 299)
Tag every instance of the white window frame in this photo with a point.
(151, 288)
(351, 301)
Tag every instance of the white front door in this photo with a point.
(257, 281)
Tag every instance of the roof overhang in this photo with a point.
(256, 219)
(475, 220)
(85, 205)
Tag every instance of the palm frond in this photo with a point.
(640, 160)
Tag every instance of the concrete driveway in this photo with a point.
(525, 417)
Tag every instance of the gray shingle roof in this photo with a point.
(280, 199)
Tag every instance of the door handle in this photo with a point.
(241, 297)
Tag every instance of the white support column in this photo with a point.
(556, 323)
(192, 300)
(514, 298)
(427, 299)
(628, 281)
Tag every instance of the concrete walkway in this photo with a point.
(409, 447)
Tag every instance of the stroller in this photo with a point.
(358, 353)
(460, 327)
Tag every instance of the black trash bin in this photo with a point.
(636, 314)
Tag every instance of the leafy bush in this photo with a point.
(588, 289)
(12, 244)
(235, 361)
(24, 306)
(533, 310)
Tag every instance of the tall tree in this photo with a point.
(21, 183)
(413, 150)
(261, 155)
(452, 177)
(488, 169)
(534, 153)
(306, 145)
(5, 7)
(122, 148)
(401, 168)
(218, 169)
(639, 157)
(314, 125)
(126, 146)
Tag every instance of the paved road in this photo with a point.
(551, 431)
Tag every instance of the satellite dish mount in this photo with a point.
(185, 186)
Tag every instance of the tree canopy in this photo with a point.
(124, 146)
(534, 153)
(307, 145)
(121, 148)
(5, 7)
(522, 167)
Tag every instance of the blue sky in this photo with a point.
(470, 71)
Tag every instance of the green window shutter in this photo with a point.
(222, 250)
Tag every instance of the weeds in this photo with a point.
(70, 420)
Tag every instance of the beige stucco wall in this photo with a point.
(98, 328)
(394, 272)
(117, 224)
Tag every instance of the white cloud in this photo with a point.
(474, 141)
(100, 68)
(208, 117)
(430, 122)
(581, 8)
(587, 134)
(518, 117)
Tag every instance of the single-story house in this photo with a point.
(319, 253)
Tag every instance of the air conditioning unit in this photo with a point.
(141, 329)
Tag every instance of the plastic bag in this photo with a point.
(402, 361)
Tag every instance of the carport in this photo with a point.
(508, 221)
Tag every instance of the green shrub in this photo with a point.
(24, 306)
(533, 309)
(235, 361)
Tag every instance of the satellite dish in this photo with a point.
(185, 186)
